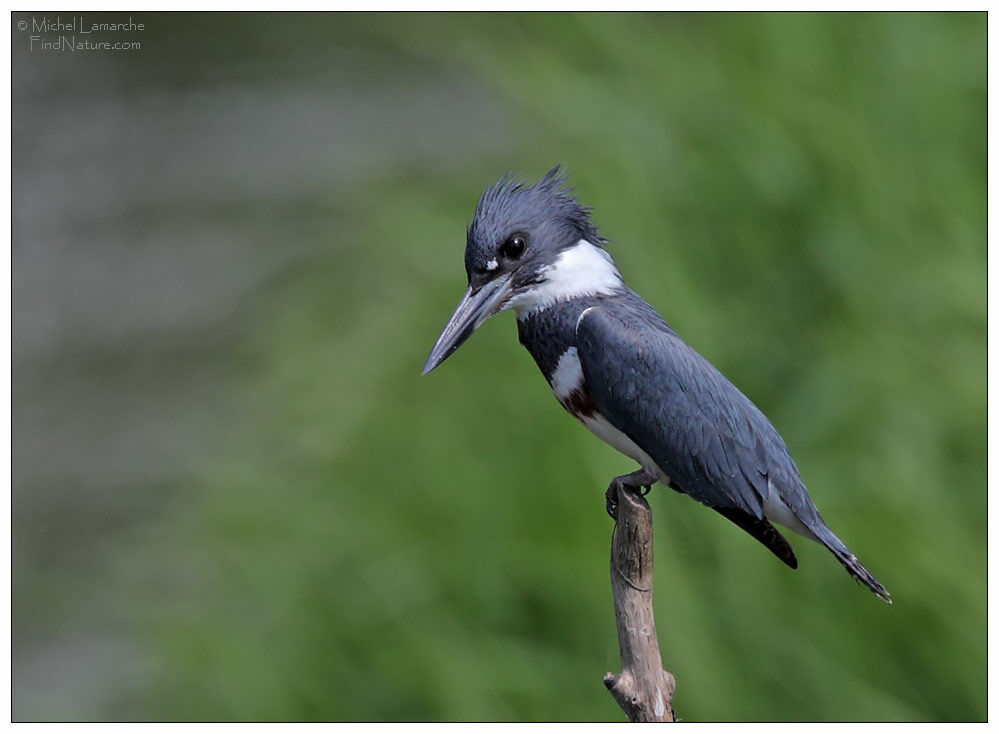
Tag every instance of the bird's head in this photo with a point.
(515, 253)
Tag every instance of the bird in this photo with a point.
(615, 365)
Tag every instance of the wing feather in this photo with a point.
(711, 441)
(705, 435)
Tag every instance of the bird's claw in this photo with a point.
(611, 497)
(639, 480)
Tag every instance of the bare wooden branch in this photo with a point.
(644, 690)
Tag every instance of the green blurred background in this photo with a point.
(234, 497)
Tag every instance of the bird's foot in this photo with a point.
(641, 480)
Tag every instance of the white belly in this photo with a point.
(567, 378)
(602, 429)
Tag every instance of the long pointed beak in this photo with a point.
(474, 308)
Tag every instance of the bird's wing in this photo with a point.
(711, 441)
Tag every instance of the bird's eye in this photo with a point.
(513, 247)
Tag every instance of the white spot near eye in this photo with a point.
(492, 264)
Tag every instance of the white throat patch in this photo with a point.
(582, 270)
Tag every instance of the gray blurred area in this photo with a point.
(235, 498)
(155, 196)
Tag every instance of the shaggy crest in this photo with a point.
(510, 202)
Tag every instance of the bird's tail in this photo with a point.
(857, 570)
(820, 531)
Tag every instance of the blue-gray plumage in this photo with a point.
(619, 368)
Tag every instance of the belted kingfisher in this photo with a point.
(618, 367)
